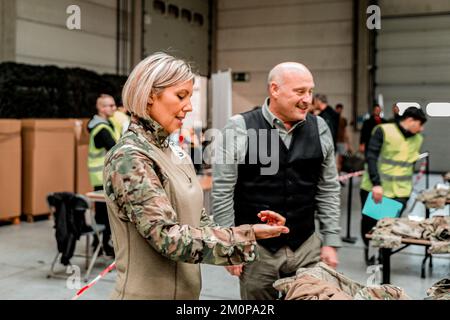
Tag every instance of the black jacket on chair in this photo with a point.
(70, 221)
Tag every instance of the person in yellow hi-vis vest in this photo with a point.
(103, 136)
(120, 119)
(392, 151)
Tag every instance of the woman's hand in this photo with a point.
(272, 218)
(235, 270)
(265, 231)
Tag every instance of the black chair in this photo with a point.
(73, 220)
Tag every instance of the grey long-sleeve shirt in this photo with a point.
(225, 175)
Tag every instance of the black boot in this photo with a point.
(369, 261)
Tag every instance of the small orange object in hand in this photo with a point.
(271, 218)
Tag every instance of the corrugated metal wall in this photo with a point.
(413, 65)
(255, 35)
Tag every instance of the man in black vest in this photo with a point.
(280, 158)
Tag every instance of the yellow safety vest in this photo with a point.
(96, 156)
(118, 125)
(396, 162)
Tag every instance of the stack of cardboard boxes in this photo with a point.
(10, 170)
(37, 157)
(48, 151)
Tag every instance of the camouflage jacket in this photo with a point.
(136, 185)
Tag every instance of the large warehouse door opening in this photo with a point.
(413, 65)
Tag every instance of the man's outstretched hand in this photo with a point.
(274, 226)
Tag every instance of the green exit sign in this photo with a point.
(241, 76)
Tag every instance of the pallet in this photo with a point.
(13, 220)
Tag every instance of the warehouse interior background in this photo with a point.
(406, 60)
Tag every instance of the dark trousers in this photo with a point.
(101, 217)
(367, 223)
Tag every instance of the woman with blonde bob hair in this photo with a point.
(160, 230)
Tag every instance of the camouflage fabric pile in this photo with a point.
(440, 290)
(435, 198)
(388, 232)
(324, 283)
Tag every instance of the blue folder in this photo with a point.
(387, 208)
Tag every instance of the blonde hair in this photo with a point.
(151, 76)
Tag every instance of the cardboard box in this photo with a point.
(10, 169)
(82, 183)
(48, 153)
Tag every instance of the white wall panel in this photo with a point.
(285, 36)
(43, 38)
(62, 44)
(253, 36)
(239, 4)
(295, 14)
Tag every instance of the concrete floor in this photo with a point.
(27, 251)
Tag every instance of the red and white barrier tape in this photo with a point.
(101, 275)
(422, 170)
(350, 175)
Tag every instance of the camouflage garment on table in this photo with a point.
(323, 272)
(135, 183)
(344, 287)
(434, 198)
(388, 232)
(382, 292)
(386, 240)
(382, 235)
(307, 287)
(440, 290)
(439, 247)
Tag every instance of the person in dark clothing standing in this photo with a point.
(343, 139)
(396, 113)
(330, 116)
(368, 125)
(103, 136)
